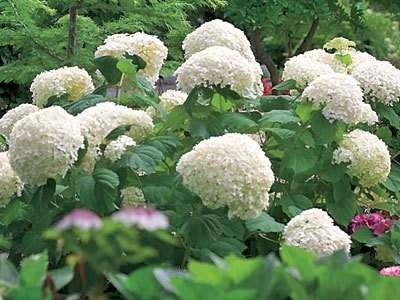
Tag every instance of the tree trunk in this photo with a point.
(263, 57)
(73, 17)
(306, 43)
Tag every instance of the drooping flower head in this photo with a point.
(148, 47)
(116, 148)
(304, 70)
(313, 229)
(10, 184)
(44, 145)
(229, 170)
(72, 81)
(98, 121)
(367, 155)
(341, 98)
(143, 217)
(380, 81)
(376, 222)
(220, 66)
(80, 218)
(8, 121)
(340, 44)
(390, 271)
(217, 33)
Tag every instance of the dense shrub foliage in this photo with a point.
(195, 194)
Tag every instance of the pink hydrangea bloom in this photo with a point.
(80, 218)
(390, 271)
(376, 222)
(143, 217)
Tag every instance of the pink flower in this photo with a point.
(267, 86)
(80, 218)
(143, 217)
(390, 271)
(376, 222)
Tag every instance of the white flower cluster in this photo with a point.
(132, 196)
(229, 170)
(321, 56)
(44, 145)
(8, 121)
(217, 33)
(168, 100)
(150, 48)
(220, 66)
(116, 148)
(313, 229)
(72, 81)
(341, 98)
(98, 121)
(368, 156)
(9, 182)
(380, 81)
(304, 70)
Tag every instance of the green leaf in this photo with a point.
(363, 235)
(168, 145)
(143, 283)
(99, 190)
(142, 158)
(198, 96)
(300, 160)
(323, 130)
(237, 122)
(292, 205)
(277, 116)
(206, 273)
(201, 231)
(226, 246)
(8, 274)
(344, 58)
(116, 132)
(61, 277)
(264, 223)
(392, 183)
(136, 60)
(342, 205)
(388, 113)
(220, 104)
(289, 84)
(126, 67)
(33, 270)
(269, 103)
(282, 133)
(304, 110)
(107, 65)
(83, 103)
(300, 259)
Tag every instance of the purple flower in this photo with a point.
(143, 217)
(80, 218)
(390, 271)
(376, 222)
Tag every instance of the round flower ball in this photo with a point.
(313, 229)
(168, 100)
(367, 155)
(8, 121)
(321, 56)
(9, 182)
(304, 70)
(44, 145)
(148, 47)
(72, 81)
(229, 170)
(217, 33)
(380, 81)
(116, 148)
(341, 98)
(221, 66)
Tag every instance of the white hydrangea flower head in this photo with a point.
(367, 155)
(116, 148)
(229, 170)
(324, 57)
(221, 66)
(359, 57)
(44, 145)
(73, 81)
(380, 81)
(9, 181)
(132, 196)
(168, 100)
(8, 121)
(149, 47)
(217, 33)
(304, 70)
(313, 229)
(99, 120)
(341, 98)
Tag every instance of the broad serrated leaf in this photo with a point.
(83, 103)
(264, 223)
(142, 158)
(107, 65)
(277, 116)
